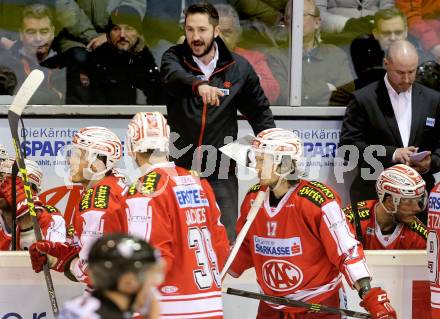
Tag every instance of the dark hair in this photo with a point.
(387, 14)
(8, 80)
(37, 11)
(203, 8)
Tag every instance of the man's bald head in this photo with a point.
(401, 64)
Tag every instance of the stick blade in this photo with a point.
(27, 89)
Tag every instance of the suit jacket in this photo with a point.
(369, 120)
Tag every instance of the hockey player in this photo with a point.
(300, 242)
(121, 268)
(390, 222)
(433, 249)
(174, 210)
(101, 209)
(51, 221)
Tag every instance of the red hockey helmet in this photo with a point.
(401, 181)
(278, 142)
(101, 141)
(148, 131)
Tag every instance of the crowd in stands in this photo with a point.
(109, 52)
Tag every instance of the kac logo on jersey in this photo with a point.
(280, 275)
(276, 247)
(190, 197)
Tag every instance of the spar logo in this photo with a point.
(280, 275)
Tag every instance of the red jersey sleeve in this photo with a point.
(341, 246)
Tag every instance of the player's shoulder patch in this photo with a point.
(419, 228)
(327, 192)
(362, 210)
(51, 209)
(254, 188)
(86, 200)
(316, 192)
(102, 196)
(146, 185)
(98, 197)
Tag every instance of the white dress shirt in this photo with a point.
(209, 68)
(402, 108)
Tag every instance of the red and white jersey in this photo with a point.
(410, 236)
(52, 225)
(101, 210)
(433, 249)
(175, 211)
(300, 247)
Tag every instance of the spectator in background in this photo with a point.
(368, 52)
(390, 221)
(336, 13)
(205, 84)
(34, 51)
(124, 64)
(424, 23)
(325, 67)
(8, 80)
(230, 31)
(269, 12)
(397, 114)
(428, 74)
(389, 25)
(78, 23)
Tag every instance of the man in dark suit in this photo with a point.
(398, 114)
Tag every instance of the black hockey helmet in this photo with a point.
(116, 254)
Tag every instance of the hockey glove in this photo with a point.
(376, 302)
(57, 255)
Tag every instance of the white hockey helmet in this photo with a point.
(96, 140)
(401, 182)
(34, 171)
(148, 131)
(3, 153)
(278, 142)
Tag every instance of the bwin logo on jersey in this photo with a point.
(275, 247)
(190, 197)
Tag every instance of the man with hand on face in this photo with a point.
(396, 116)
(124, 64)
(205, 85)
(390, 222)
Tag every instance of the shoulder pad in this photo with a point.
(98, 197)
(327, 192)
(255, 188)
(363, 212)
(51, 209)
(146, 185)
(419, 228)
(312, 194)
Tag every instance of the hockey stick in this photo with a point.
(255, 207)
(295, 303)
(24, 94)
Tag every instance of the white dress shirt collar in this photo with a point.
(209, 68)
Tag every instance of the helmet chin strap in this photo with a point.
(396, 202)
(282, 176)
